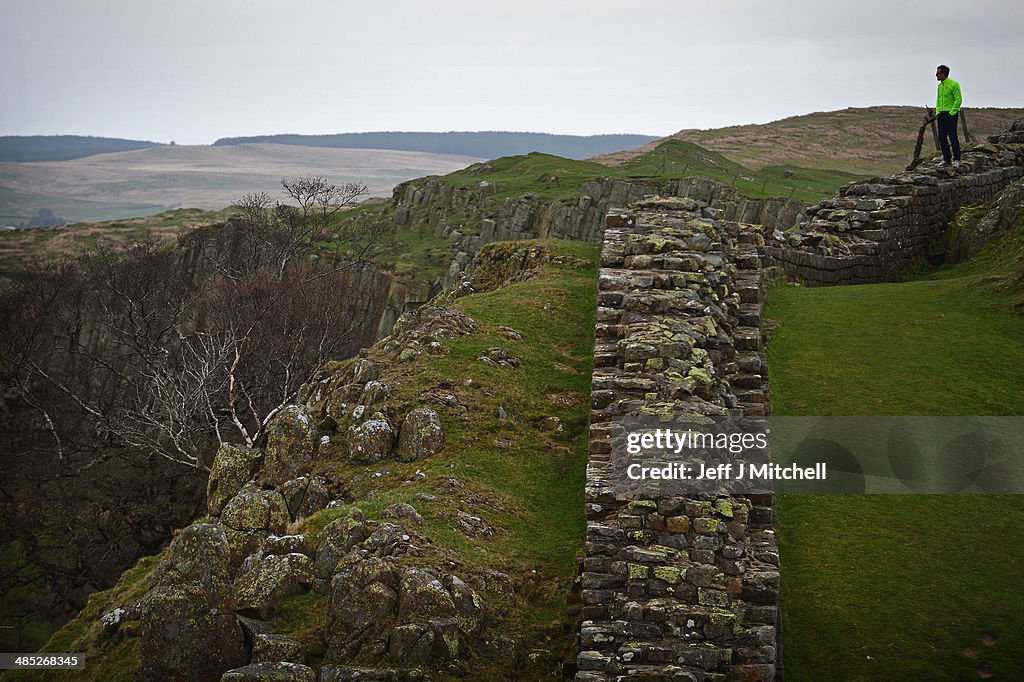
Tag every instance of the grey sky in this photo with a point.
(193, 71)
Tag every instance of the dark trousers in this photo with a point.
(947, 135)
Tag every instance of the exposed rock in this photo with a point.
(383, 611)
(268, 648)
(253, 509)
(273, 577)
(370, 441)
(473, 526)
(233, 467)
(365, 370)
(280, 671)
(421, 435)
(403, 511)
(185, 637)
(305, 495)
(287, 544)
(200, 556)
(499, 357)
(347, 673)
(292, 441)
(336, 539)
(374, 394)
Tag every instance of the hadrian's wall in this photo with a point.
(676, 588)
(874, 230)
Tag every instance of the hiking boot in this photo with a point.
(956, 164)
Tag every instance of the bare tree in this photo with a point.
(170, 351)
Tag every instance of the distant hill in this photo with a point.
(487, 144)
(148, 181)
(19, 148)
(868, 141)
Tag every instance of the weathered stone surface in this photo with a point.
(269, 648)
(403, 511)
(271, 578)
(305, 495)
(185, 637)
(421, 435)
(347, 673)
(279, 671)
(336, 539)
(382, 611)
(199, 555)
(254, 509)
(370, 441)
(292, 442)
(233, 466)
(680, 293)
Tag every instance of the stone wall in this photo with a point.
(676, 588)
(874, 230)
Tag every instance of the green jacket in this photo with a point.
(949, 97)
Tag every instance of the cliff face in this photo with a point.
(406, 521)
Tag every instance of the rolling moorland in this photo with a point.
(848, 561)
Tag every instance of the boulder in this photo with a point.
(292, 442)
(233, 467)
(253, 509)
(305, 495)
(287, 544)
(370, 441)
(336, 539)
(268, 648)
(365, 370)
(421, 435)
(402, 510)
(200, 556)
(185, 638)
(349, 673)
(279, 671)
(271, 578)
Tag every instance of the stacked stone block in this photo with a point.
(676, 588)
(874, 230)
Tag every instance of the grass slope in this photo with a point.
(554, 177)
(903, 587)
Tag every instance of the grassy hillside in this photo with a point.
(523, 474)
(875, 140)
(17, 246)
(555, 177)
(63, 147)
(903, 587)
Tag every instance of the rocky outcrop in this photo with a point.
(974, 227)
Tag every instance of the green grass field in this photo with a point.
(902, 587)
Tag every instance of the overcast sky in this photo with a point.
(195, 70)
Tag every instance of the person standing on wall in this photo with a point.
(947, 108)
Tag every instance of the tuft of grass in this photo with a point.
(902, 587)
